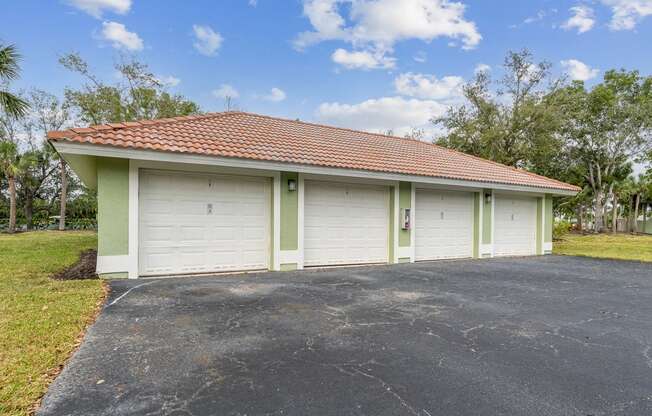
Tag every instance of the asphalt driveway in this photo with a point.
(530, 336)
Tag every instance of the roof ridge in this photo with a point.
(321, 132)
(402, 138)
(139, 123)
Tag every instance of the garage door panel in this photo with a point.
(515, 226)
(179, 234)
(443, 225)
(345, 223)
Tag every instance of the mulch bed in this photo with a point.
(82, 270)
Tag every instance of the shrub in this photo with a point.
(560, 229)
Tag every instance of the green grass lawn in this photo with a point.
(618, 246)
(40, 319)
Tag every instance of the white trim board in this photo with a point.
(112, 264)
(150, 155)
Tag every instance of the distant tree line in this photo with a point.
(37, 189)
(590, 137)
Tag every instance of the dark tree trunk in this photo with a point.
(29, 210)
(579, 212)
(630, 225)
(636, 204)
(614, 214)
(12, 205)
(64, 195)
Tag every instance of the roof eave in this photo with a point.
(69, 147)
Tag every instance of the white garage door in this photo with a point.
(191, 223)
(345, 224)
(515, 226)
(443, 225)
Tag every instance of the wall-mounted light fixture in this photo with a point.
(487, 198)
(292, 185)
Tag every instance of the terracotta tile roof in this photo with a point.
(252, 136)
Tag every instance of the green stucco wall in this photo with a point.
(289, 213)
(539, 237)
(477, 198)
(392, 220)
(487, 216)
(112, 206)
(404, 201)
(547, 234)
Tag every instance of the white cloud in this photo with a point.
(120, 37)
(429, 86)
(578, 70)
(379, 115)
(376, 25)
(168, 80)
(226, 90)
(253, 3)
(275, 95)
(96, 7)
(207, 41)
(481, 68)
(628, 13)
(362, 59)
(420, 57)
(582, 19)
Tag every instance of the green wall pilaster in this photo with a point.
(404, 201)
(547, 234)
(392, 221)
(112, 206)
(539, 230)
(487, 216)
(289, 213)
(477, 199)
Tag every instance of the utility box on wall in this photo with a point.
(406, 223)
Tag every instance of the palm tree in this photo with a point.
(9, 167)
(9, 70)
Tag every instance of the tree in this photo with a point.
(139, 95)
(605, 128)
(50, 114)
(10, 104)
(11, 165)
(514, 125)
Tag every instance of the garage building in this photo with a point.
(236, 191)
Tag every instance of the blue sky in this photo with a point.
(368, 64)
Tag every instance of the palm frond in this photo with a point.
(9, 57)
(12, 105)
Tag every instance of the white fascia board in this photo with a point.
(111, 151)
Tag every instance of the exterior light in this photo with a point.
(292, 185)
(487, 198)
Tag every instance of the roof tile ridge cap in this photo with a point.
(493, 162)
(310, 123)
(142, 123)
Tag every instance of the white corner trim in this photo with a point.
(397, 218)
(542, 231)
(404, 252)
(300, 214)
(291, 256)
(547, 247)
(480, 223)
(413, 228)
(133, 219)
(486, 249)
(276, 235)
(493, 221)
(112, 264)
